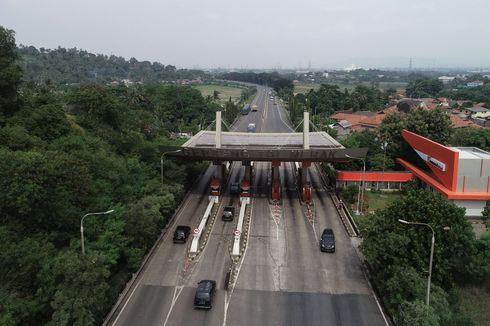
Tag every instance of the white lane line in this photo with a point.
(228, 297)
(152, 261)
(120, 313)
(177, 292)
(280, 117)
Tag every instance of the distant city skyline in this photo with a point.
(262, 35)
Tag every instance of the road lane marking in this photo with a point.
(228, 297)
(177, 292)
(152, 261)
(280, 117)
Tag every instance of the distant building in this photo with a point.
(476, 83)
(471, 111)
(446, 79)
(352, 67)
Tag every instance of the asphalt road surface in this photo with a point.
(283, 277)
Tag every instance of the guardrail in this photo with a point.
(345, 216)
(130, 284)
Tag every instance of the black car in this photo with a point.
(235, 188)
(204, 294)
(327, 241)
(181, 233)
(228, 213)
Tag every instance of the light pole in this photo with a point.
(81, 226)
(360, 198)
(161, 162)
(431, 252)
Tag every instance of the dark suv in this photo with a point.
(204, 294)
(228, 213)
(235, 188)
(181, 233)
(327, 241)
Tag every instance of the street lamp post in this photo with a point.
(431, 252)
(360, 193)
(81, 226)
(161, 163)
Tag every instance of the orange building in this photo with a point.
(461, 174)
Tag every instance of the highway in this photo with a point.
(283, 278)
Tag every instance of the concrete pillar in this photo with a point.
(218, 129)
(306, 130)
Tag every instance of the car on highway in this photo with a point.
(327, 241)
(204, 294)
(181, 233)
(254, 108)
(228, 213)
(235, 188)
(251, 127)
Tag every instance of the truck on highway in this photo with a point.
(246, 109)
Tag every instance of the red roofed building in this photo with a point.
(462, 123)
(361, 120)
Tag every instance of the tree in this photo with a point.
(10, 73)
(367, 98)
(424, 88)
(80, 296)
(388, 243)
(417, 313)
(432, 124)
(471, 137)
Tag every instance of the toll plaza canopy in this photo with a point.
(243, 146)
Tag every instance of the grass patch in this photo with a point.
(305, 87)
(225, 92)
(379, 200)
(475, 301)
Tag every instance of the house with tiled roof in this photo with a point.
(459, 122)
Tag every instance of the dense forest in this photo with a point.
(75, 66)
(69, 151)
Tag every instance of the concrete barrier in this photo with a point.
(239, 229)
(198, 232)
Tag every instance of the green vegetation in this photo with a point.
(424, 88)
(71, 151)
(328, 98)
(386, 144)
(75, 66)
(377, 200)
(474, 303)
(282, 86)
(471, 137)
(305, 87)
(398, 256)
(224, 94)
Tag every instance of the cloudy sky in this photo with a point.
(262, 33)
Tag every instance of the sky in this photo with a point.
(321, 34)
